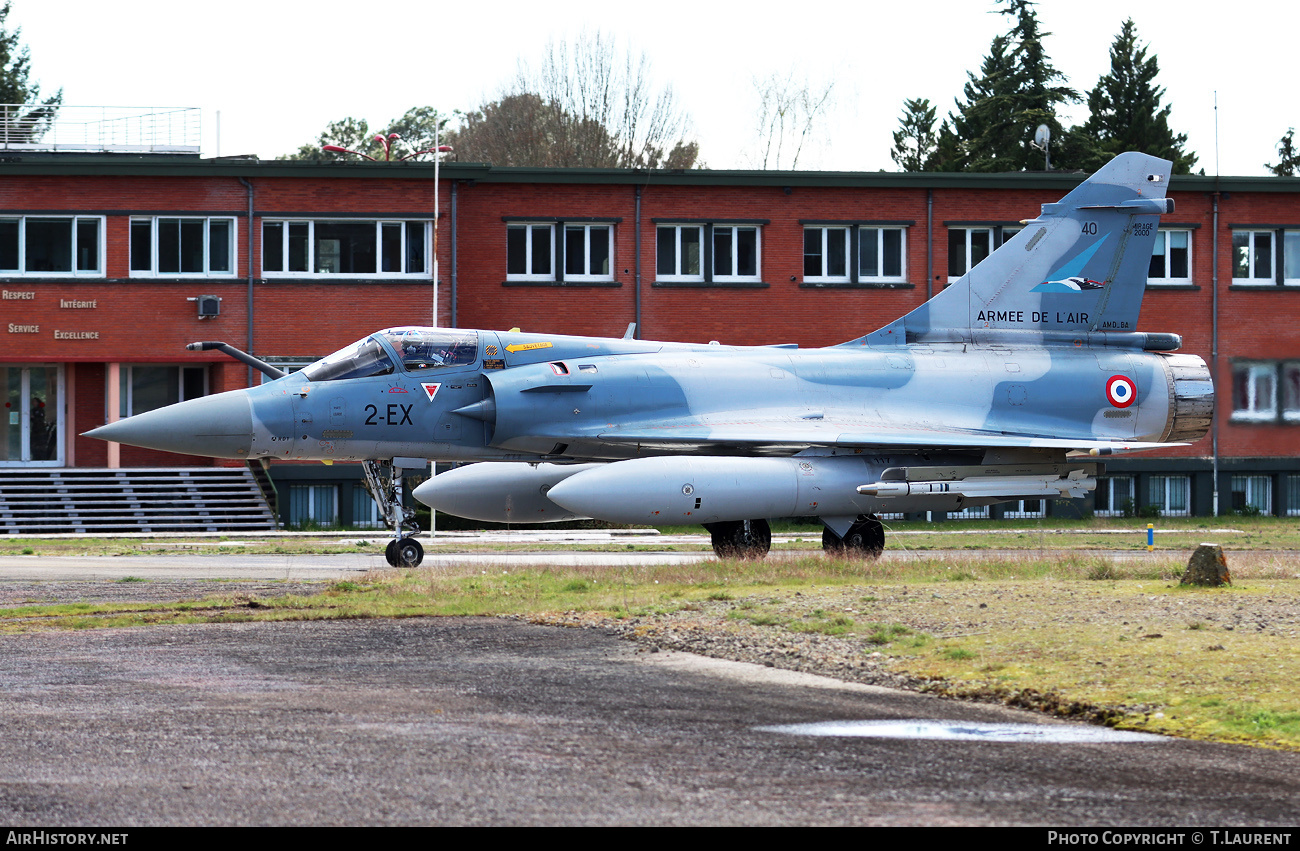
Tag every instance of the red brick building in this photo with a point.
(111, 263)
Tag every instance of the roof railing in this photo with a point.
(94, 129)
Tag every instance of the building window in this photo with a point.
(588, 252)
(735, 253)
(853, 254)
(44, 245)
(967, 246)
(970, 512)
(530, 252)
(826, 254)
(560, 251)
(678, 254)
(1292, 495)
(365, 513)
(339, 247)
(1291, 257)
(1171, 258)
(1290, 384)
(708, 253)
(173, 246)
(1252, 494)
(147, 387)
(1254, 391)
(880, 254)
(1170, 494)
(313, 505)
(1264, 390)
(1024, 509)
(1252, 257)
(1113, 496)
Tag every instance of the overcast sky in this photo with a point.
(278, 72)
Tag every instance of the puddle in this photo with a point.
(962, 731)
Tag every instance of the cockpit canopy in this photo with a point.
(432, 348)
(415, 349)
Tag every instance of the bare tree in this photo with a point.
(587, 104)
(789, 113)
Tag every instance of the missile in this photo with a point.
(1076, 485)
(498, 492)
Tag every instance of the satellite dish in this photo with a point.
(1042, 135)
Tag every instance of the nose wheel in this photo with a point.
(384, 482)
(404, 552)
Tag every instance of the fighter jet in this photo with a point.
(999, 388)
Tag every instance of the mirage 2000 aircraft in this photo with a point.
(1007, 385)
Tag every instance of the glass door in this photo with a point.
(31, 429)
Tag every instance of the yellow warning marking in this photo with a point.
(523, 347)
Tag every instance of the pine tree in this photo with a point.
(32, 117)
(915, 141)
(1288, 157)
(1126, 114)
(1017, 89)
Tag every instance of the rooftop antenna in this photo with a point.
(1043, 135)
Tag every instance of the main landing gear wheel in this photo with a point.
(865, 539)
(741, 538)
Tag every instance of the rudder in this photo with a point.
(1080, 267)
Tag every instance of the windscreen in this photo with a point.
(359, 360)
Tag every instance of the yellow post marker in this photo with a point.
(1151, 537)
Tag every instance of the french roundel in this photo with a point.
(1121, 391)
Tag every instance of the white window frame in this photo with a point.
(313, 261)
(154, 265)
(864, 233)
(1019, 511)
(588, 233)
(74, 272)
(824, 253)
(365, 511)
(529, 255)
(1257, 492)
(1261, 389)
(676, 273)
(1288, 391)
(1115, 497)
(313, 490)
(1293, 495)
(1291, 258)
(1164, 240)
(1252, 278)
(734, 275)
(1161, 489)
(967, 265)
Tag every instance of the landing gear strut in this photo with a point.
(865, 539)
(384, 481)
(740, 538)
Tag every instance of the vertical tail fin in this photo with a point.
(1079, 267)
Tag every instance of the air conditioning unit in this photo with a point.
(209, 306)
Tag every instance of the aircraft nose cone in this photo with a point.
(219, 426)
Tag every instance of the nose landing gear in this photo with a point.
(384, 481)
